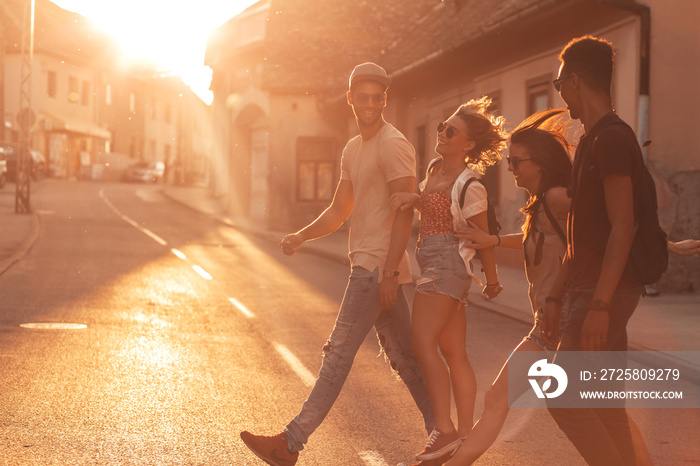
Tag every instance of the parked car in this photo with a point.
(36, 160)
(9, 153)
(3, 170)
(145, 172)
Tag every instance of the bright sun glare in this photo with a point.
(170, 34)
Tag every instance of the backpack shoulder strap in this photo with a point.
(553, 220)
(463, 194)
(432, 164)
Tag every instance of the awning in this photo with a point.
(73, 125)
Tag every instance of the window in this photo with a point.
(166, 113)
(539, 94)
(73, 95)
(152, 109)
(315, 169)
(108, 94)
(52, 85)
(85, 100)
(152, 147)
(132, 102)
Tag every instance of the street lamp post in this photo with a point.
(25, 116)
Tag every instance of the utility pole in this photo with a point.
(25, 116)
(2, 85)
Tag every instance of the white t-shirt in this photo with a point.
(370, 165)
(475, 202)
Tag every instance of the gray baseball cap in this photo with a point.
(369, 72)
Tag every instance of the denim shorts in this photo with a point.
(442, 268)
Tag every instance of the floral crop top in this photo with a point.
(435, 213)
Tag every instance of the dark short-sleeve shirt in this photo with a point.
(610, 148)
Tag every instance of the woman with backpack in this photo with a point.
(469, 141)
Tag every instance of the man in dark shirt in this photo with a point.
(603, 289)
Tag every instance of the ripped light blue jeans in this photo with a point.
(359, 312)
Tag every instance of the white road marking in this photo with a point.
(202, 272)
(372, 458)
(241, 308)
(304, 374)
(149, 195)
(179, 254)
(53, 326)
(145, 231)
(152, 235)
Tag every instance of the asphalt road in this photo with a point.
(194, 331)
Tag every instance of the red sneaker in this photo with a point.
(439, 444)
(272, 450)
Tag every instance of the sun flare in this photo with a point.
(170, 35)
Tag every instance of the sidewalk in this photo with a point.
(666, 323)
(669, 322)
(18, 232)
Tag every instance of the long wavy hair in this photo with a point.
(486, 130)
(541, 135)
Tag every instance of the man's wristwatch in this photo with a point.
(599, 305)
(390, 273)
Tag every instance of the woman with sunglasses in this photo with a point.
(468, 142)
(539, 162)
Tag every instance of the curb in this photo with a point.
(25, 247)
(660, 359)
(502, 309)
(637, 352)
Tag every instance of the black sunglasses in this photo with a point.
(515, 163)
(449, 130)
(364, 99)
(557, 82)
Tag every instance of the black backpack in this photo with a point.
(649, 252)
(494, 226)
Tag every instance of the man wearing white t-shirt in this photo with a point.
(375, 164)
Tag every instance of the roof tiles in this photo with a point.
(314, 44)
